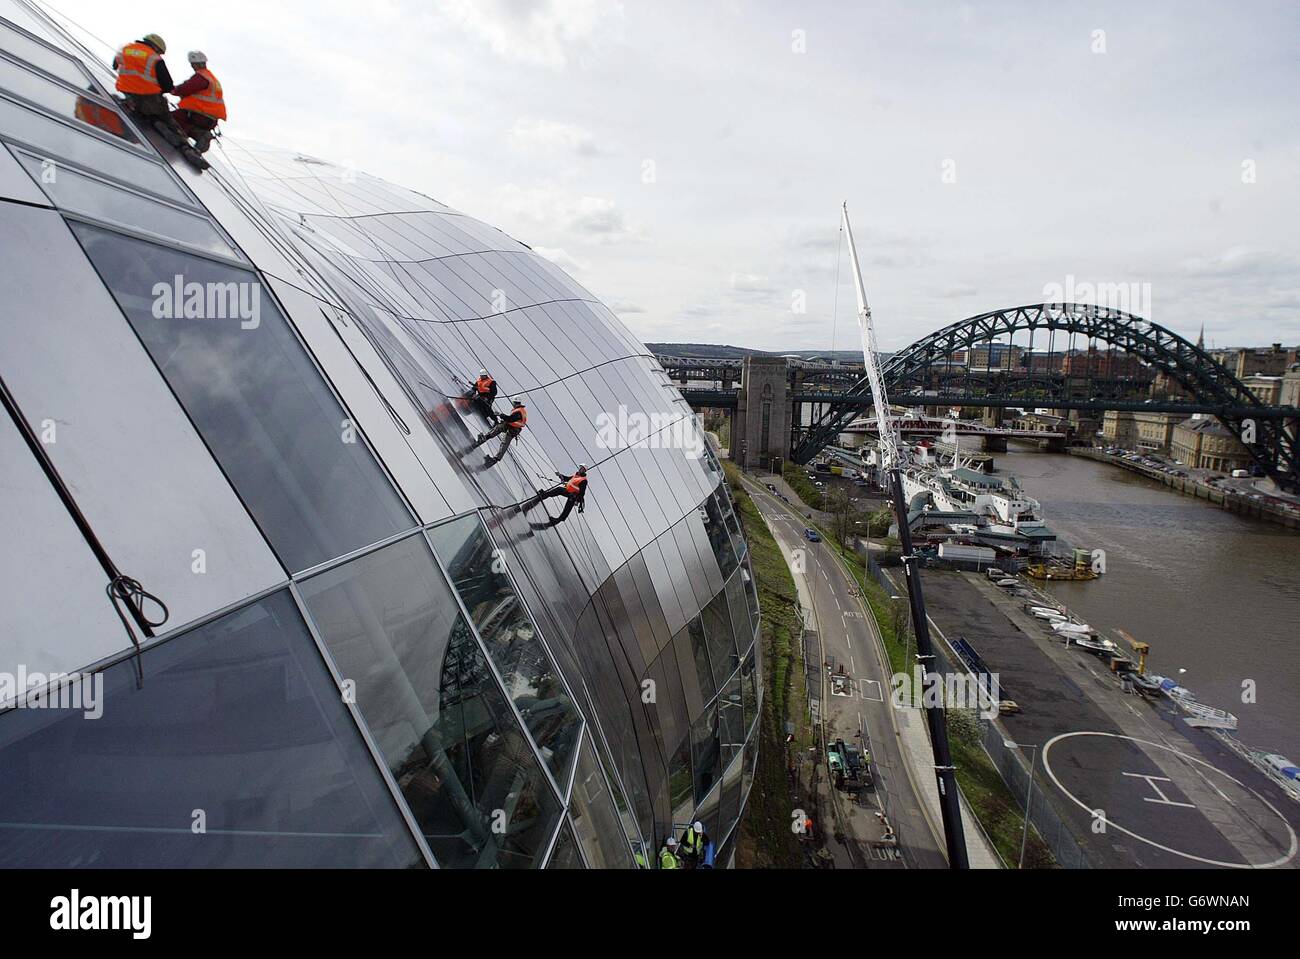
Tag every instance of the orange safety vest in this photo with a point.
(575, 484)
(209, 102)
(522, 421)
(483, 385)
(137, 69)
(106, 118)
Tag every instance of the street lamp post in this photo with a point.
(1029, 796)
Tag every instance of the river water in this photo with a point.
(1215, 594)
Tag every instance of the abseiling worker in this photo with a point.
(572, 488)
(483, 393)
(511, 425)
(203, 103)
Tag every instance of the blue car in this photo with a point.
(812, 536)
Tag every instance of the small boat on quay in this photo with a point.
(1096, 644)
(1068, 628)
(1046, 612)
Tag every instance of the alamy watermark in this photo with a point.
(208, 301)
(1131, 297)
(70, 691)
(982, 693)
(629, 428)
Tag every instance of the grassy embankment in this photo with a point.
(801, 484)
(766, 840)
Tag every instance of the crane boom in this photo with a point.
(890, 477)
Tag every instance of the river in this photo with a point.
(1215, 594)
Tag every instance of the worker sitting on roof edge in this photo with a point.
(573, 488)
(142, 76)
(203, 104)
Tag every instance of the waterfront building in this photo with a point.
(1205, 443)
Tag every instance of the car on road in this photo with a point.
(812, 536)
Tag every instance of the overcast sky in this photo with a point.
(686, 161)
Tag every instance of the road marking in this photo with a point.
(879, 696)
(1051, 774)
(1163, 800)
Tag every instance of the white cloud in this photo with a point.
(591, 218)
(545, 33)
(533, 133)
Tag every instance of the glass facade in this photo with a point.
(389, 663)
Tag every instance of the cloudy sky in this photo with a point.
(686, 161)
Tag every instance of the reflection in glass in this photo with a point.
(749, 690)
(61, 141)
(65, 103)
(704, 747)
(729, 806)
(428, 696)
(289, 449)
(681, 794)
(565, 854)
(731, 722)
(239, 718)
(722, 649)
(719, 537)
(739, 605)
(511, 639)
(37, 54)
(595, 820)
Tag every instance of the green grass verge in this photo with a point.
(802, 485)
(766, 841)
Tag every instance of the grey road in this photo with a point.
(848, 635)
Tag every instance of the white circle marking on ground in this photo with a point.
(1047, 766)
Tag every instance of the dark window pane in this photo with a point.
(731, 724)
(729, 808)
(681, 794)
(595, 820)
(258, 402)
(565, 854)
(428, 695)
(722, 649)
(238, 718)
(510, 637)
(749, 690)
(704, 747)
(719, 536)
(739, 603)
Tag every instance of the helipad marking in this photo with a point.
(1163, 800)
(1047, 767)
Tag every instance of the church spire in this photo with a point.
(1200, 340)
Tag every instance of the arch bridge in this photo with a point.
(1055, 355)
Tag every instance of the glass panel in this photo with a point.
(77, 193)
(62, 101)
(681, 794)
(739, 604)
(425, 689)
(722, 650)
(25, 48)
(729, 809)
(258, 402)
(565, 854)
(62, 142)
(733, 525)
(704, 747)
(751, 593)
(749, 691)
(240, 719)
(531, 679)
(731, 722)
(719, 537)
(595, 820)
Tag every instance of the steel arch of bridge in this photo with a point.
(1212, 385)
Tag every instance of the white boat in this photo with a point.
(1173, 690)
(1097, 644)
(1207, 717)
(1046, 612)
(1007, 583)
(1073, 629)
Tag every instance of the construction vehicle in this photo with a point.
(848, 766)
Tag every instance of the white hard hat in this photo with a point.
(482, 372)
(699, 827)
(198, 56)
(672, 841)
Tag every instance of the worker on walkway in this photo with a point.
(668, 855)
(693, 842)
(483, 393)
(573, 488)
(511, 425)
(202, 104)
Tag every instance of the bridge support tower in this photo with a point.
(994, 444)
(760, 432)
